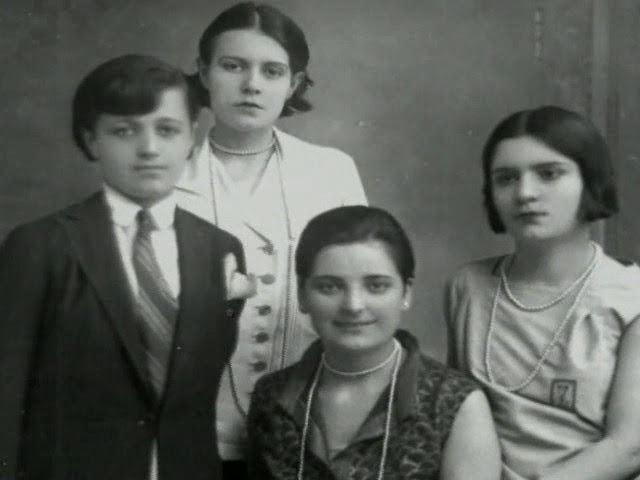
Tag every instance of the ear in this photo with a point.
(203, 73)
(89, 139)
(296, 80)
(407, 298)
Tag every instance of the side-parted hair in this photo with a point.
(271, 22)
(354, 224)
(125, 85)
(569, 134)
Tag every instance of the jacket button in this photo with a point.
(259, 366)
(229, 312)
(262, 337)
(267, 278)
(264, 310)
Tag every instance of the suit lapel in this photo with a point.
(294, 188)
(90, 230)
(196, 268)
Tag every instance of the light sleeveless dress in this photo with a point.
(562, 409)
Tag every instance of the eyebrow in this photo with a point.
(132, 119)
(243, 59)
(377, 276)
(171, 119)
(549, 163)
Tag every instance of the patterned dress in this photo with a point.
(428, 397)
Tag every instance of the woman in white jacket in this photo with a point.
(262, 185)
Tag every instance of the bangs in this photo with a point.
(133, 94)
(130, 85)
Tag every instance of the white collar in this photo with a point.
(195, 180)
(124, 210)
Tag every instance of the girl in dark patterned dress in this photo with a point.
(364, 402)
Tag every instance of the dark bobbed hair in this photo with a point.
(354, 224)
(271, 22)
(126, 85)
(569, 134)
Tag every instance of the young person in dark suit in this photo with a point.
(115, 313)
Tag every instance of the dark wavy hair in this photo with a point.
(354, 224)
(125, 85)
(569, 134)
(271, 22)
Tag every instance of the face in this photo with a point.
(142, 156)
(248, 79)
(537, 191)
(355, 297)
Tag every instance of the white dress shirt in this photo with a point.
(165, 247)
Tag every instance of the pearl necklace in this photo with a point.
(559, 298)
(397, 353)
(584, 277)
(242, 152)
(367, 371)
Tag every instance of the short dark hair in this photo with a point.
(125, 85)
(354, 224)
(274, 24)
(569, 134)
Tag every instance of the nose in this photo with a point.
(527, 189)
(252, 81)
(148, 144)
(353, 301)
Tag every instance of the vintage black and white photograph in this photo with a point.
(304, 240)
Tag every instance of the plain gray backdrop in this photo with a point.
(409, 88)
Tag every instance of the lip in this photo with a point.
(353, 324)
(251, 105)
(530, 215)
(149, 168)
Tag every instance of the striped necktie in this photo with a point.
(156, 308)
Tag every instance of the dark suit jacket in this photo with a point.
(75, 399)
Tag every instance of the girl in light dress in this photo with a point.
(263, 185)
(550, 330)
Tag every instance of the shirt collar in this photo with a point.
(124, 210)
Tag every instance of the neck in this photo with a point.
(360, 361)
(241, 140)
(553, 262)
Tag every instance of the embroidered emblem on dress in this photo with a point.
(563, 394)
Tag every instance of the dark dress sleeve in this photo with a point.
(261, 399)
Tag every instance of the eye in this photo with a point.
(122, 131)
(377, 285)
(504, 178)
(549, 173)
(230, 65)
(274, 71)
(326, 286)
(168, 131)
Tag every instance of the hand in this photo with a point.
(239, 286)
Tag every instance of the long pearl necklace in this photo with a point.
(289, 305)
(584, 278)
(242, 152)
(397, 354)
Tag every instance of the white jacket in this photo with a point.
(314, 179)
